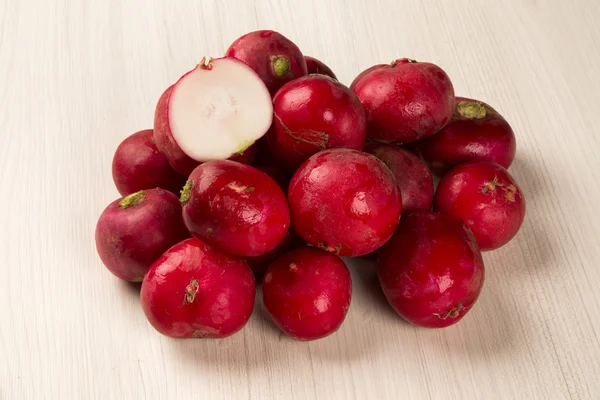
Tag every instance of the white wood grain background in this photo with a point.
(76, 77)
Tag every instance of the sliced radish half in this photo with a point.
(213, 112)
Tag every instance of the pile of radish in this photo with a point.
(263, 168)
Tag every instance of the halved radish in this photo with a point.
(218, 109)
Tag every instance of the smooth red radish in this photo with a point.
(406, 100)
(307, 293)
(431, 270)
(344, 201)
(275, 58)
(315, 66)
(195, 291)
(476, 132)
(215, 111)
(362, 74)
(235, 207)
(138, 164)
(259, 264)
(315, 113)
(135, 230)
(414, 179)
(486, 198)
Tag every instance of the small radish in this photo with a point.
(235, 208)
(406, 100)
(215, 111)
(135, 230)
(137, 165)
(476, 132)
(307, 293)
(344, 201)
(362, 74)
(275, 58)
(431, 270)
(487, 199)
(259, 264)
(195, 291)
(315, 113)
(414, 179)
(315, 66)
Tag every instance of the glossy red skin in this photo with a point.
(464, 139)
(486, 197)
(129, 240)
(259, 264)
(236, 208)
(165, 142)
(258, 49)
(315, 66)
(344, 201)
(365, 72)
(414, 179)
(137, 165)
(431, 270)
(315, 113)
(195, 291)
(307, 293)
(406, 101)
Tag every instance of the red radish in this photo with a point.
(486, 197)
(259, 264)
(362, 74)
(275, 58)
(315, 113)
(307, 293)
(476, 132)
(414, 179)
(137, 165)
(195, 291)
(134, 231)
(315, 66)
(406, 100)
(431, 270)
(344, 201)
(218, 109)
(235, 208)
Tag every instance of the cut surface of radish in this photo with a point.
(218, 109)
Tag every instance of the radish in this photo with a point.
(431, 270)
(215, 111)
(195, 291)
(259, 264)
(315, 113)
(315, 66)
(344, 201)
(406, 100)
(235, 208)
(486, 197)
(414, 179)
(362, 74)
(275, 58)
(134, 231)
(476, 132)
(307, 293)
(137, 165)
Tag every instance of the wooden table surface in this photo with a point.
(76, 77)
